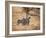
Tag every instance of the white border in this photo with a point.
(24, 32)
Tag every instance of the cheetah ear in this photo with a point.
(29, 17)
